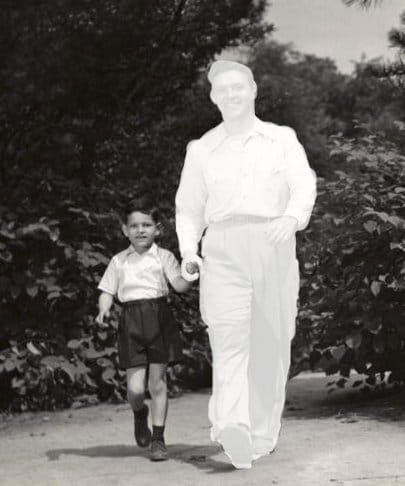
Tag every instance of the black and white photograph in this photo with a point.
(202, 242)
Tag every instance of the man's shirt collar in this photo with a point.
(219, 135)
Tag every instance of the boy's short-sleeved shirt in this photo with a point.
(132, 276)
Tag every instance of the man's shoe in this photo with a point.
(158, 451)
(237, 446)
(142, 432)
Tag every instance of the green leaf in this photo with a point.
(374, 326)
(354, 340)
(91, 353)
(108, 374)
(375, 288)
(51, 362)
(32, 291)
(104, 362)
(370, 226)
(110, 351)
(338, 352)
(81, 369)
(381, 214)
(17, 382)
(33, 350)
(53, 295)
(89, 381)
(379, 343)
(397, 222)
(371, 380)
(6, 256)
(69, 369)
(74, 344)
(341, 383)
(9, 365)
(102, 335)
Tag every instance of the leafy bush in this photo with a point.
(53, 355)
(353, 295)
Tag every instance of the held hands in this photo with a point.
(191, 267)
(281, 229)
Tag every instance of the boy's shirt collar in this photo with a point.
(153, 250)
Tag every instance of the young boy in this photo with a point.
(147, 335)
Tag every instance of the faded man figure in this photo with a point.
(248, 183)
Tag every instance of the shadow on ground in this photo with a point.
(200, 456)
(308, 398)
(98, 451)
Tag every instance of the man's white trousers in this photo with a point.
(248, 292)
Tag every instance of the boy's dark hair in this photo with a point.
(141, 205)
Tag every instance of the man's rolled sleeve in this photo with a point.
(190, 200)
(301, 181)
(109, 281)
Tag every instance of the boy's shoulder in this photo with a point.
(120, 257)
(164, 252)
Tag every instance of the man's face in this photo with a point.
(141, 230)
(234, 94)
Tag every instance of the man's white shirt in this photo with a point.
(265, 173)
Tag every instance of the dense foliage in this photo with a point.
(92, 113)
(353, 288)
(98, 101)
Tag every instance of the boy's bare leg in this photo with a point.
(136, 387)
(158, 391)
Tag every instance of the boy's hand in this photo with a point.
(100, 318)
(191, 267)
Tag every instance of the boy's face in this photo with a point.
(141, 230)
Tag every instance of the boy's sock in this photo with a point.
(142, 411)
(158, 431)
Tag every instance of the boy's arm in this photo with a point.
(105, 302)
(109, 287)
(180, 285)
(172, 271)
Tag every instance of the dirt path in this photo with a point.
(338, 439)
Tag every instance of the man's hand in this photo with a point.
(281, 229)
(100, 318)
(191, 267)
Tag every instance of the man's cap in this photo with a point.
(222, 66)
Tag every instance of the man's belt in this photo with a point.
(242, 219)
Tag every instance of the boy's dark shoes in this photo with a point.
(142, 432)
(158, 451)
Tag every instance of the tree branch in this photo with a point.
(143, 80)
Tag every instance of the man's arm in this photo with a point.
(191, 198)
(301, 181)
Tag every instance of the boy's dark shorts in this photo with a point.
(148, 333)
